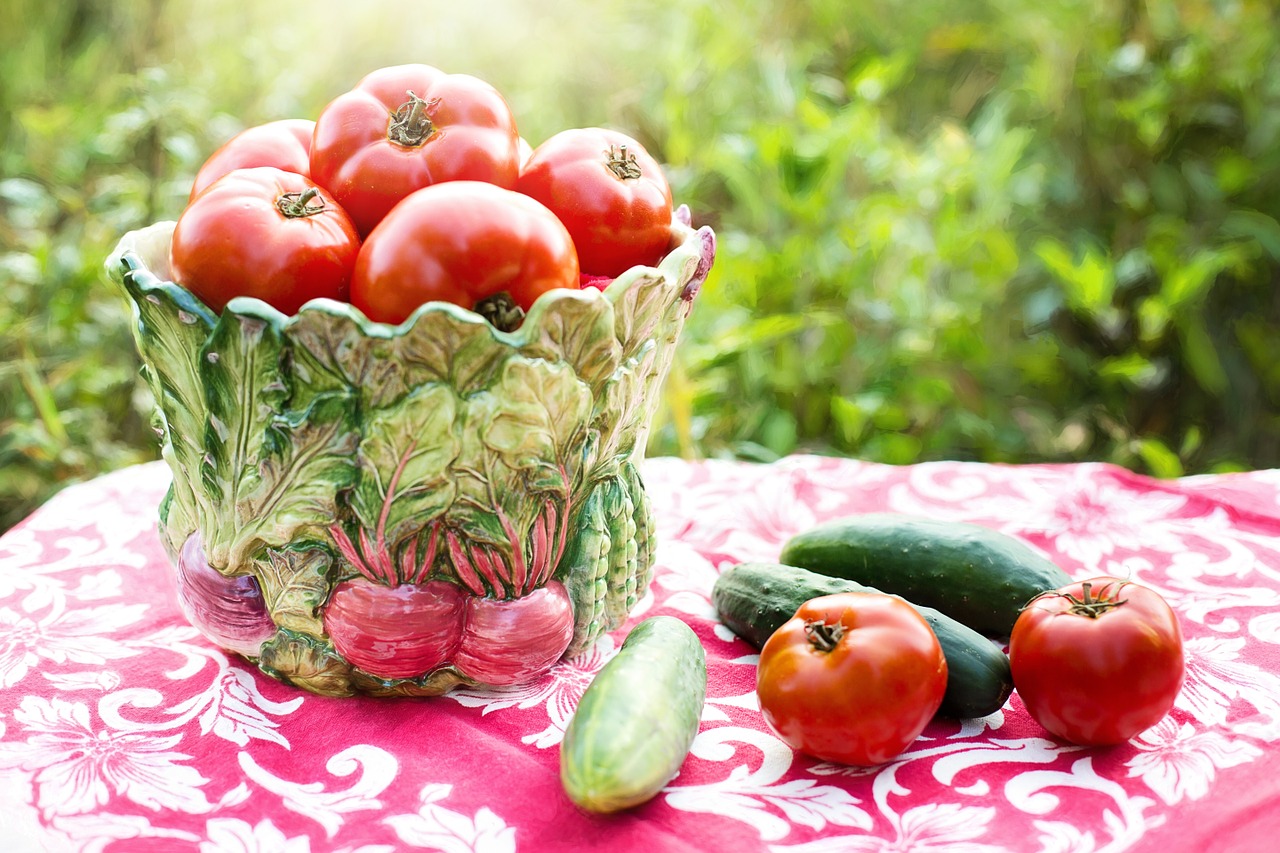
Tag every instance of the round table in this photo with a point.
(122, 728)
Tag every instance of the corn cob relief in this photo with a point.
(584, 571)
(620, 513)
(645, 529)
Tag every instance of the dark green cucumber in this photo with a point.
(974, 574)
(755, 599)
(637, 719)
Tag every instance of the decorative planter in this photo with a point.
(395, 510)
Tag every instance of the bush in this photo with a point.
(997, 230)
(1000, 231)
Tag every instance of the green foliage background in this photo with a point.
(1000, 230)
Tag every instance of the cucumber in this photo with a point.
(973, 574)
(755, 599)
(637, 719)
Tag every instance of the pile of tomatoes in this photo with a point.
(415, 186)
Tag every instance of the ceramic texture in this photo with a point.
(478, 473)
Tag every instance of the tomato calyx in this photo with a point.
(622, 163)
(410, 126)
(297, 205)
(501, 310)
(1088, 604)
(823, 636)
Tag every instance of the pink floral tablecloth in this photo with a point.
(123, 729)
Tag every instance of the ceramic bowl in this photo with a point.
(365, 508)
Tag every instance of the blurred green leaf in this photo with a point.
(1188, 282)
(1133, 369)
(1162, 461)
(1254, 225)
(1088, 281)
(1201, 354)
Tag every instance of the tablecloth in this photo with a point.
(121, 728)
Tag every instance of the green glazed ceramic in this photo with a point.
(358, 507)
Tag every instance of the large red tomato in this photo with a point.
(610, 194)
(465, 242)
(852, 678)
(1097, 661)
(406, 127)
(285, 144)
(267, 233)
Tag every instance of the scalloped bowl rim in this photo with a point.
(679, 265)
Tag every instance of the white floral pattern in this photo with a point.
(78, 768)
(78, 636)
(230, 835)
(1177, 761)
(119, 724)
(760, 796)
(378, 768)
(435, 827)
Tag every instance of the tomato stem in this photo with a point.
(298, 205)
(822, 636)
(622, 163)
(501, 310)
(410, 125)
(1089, 604)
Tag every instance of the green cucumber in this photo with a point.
(973, 574)
(637, 719)
(755, 599)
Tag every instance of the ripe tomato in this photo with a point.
(285, 144)
(463, 242)
(1098, 661)
(852, 678)
(267, 233)
(610, 194)
(406, 127)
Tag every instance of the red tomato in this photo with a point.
(1098, 661)
(467, 243)
(852, 678)
(285, 144)
(406, 127)
(610, 194)
(267, 233)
